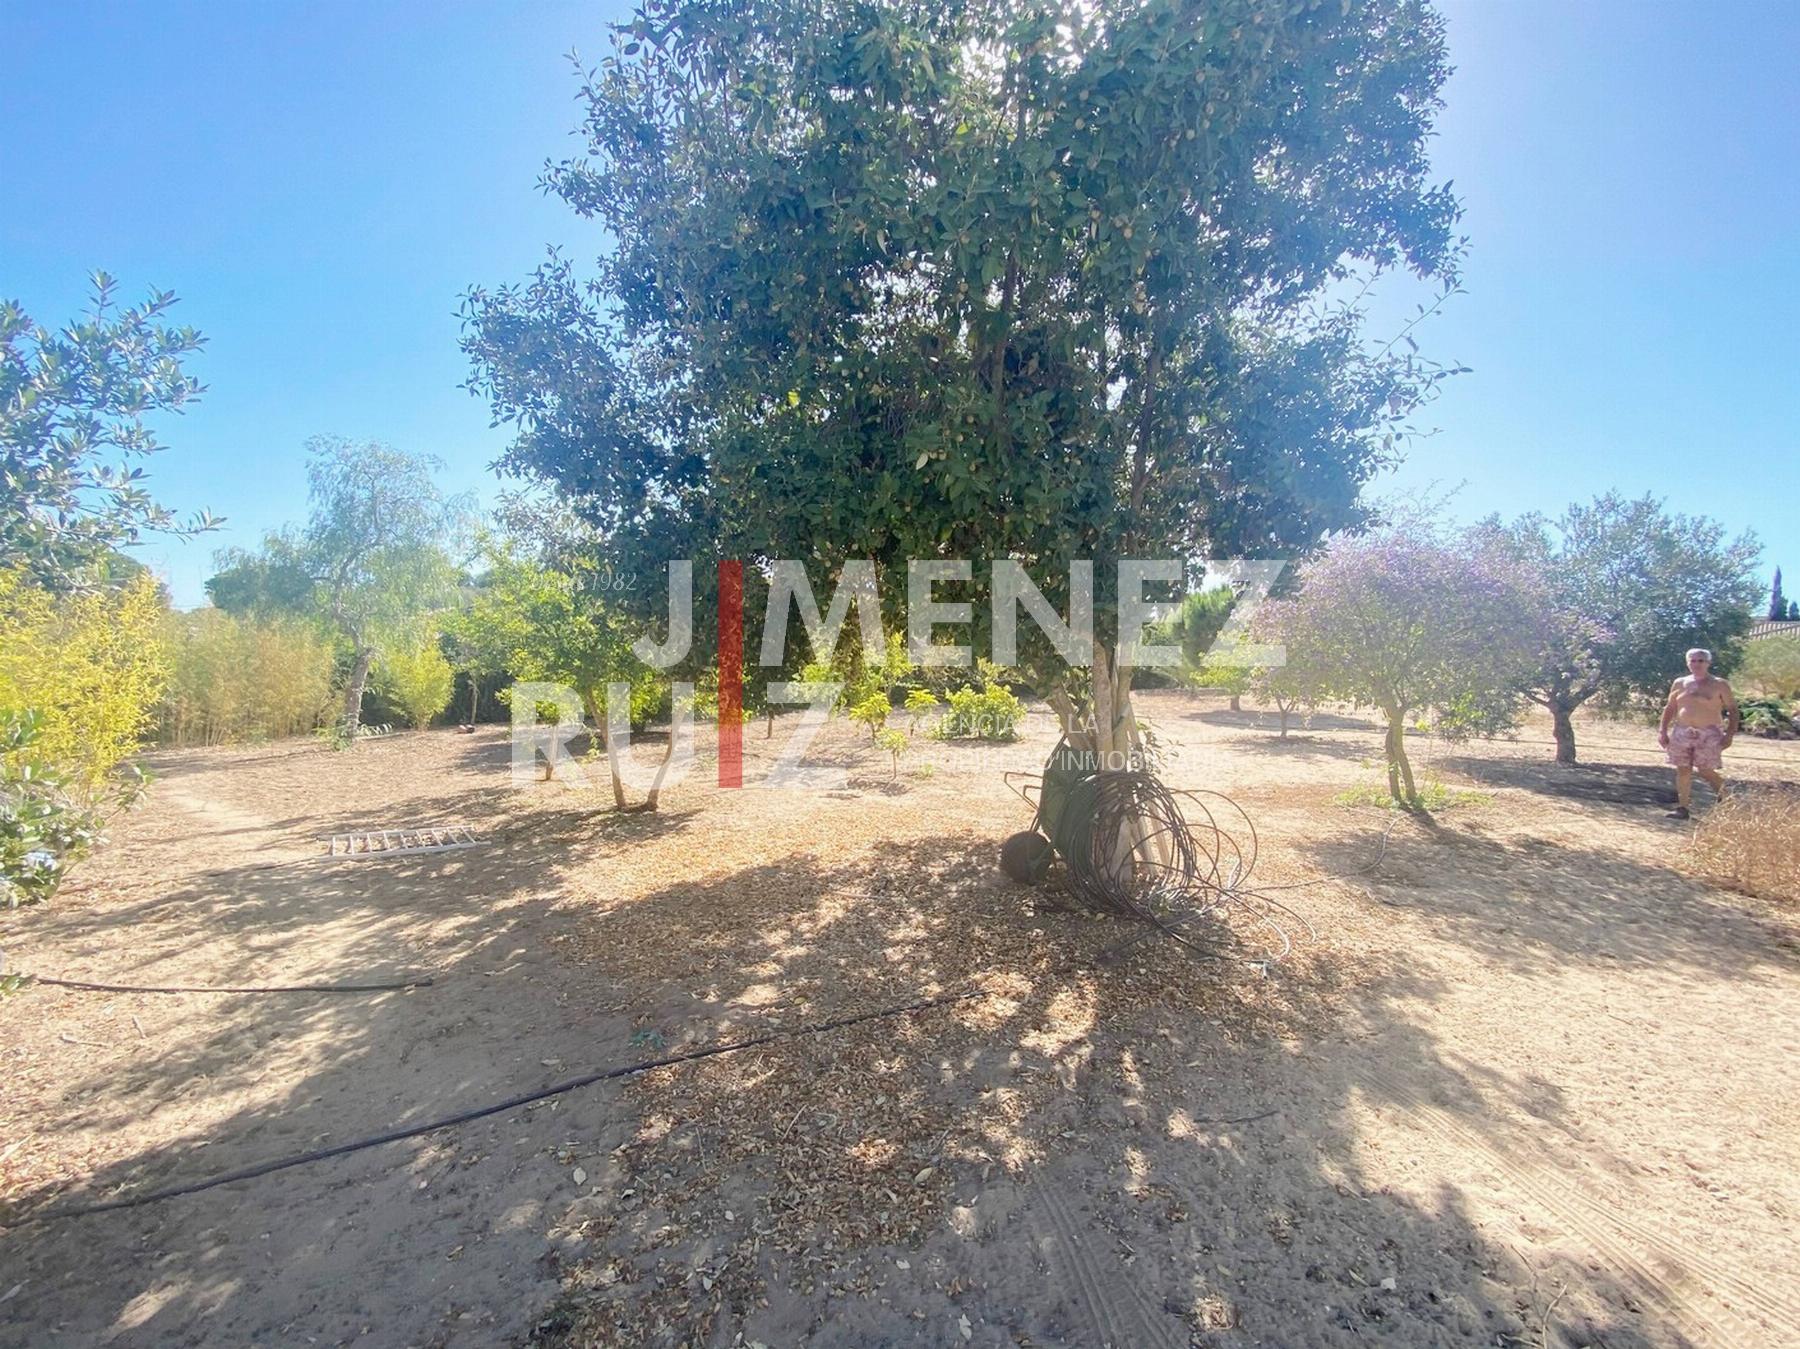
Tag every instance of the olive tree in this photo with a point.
(72, 408)
(905, 280)
(1626, 588)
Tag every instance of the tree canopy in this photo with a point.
(1627, 587)
(1410, 621)
(72, 408)
(373, 557)
(982, 280)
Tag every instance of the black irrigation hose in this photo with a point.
(481, 1112)
(423, 981)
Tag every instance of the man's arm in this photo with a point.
(1731, 714)
(1662, 735)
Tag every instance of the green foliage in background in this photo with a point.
(1771, 666)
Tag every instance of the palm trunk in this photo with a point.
(474, 696)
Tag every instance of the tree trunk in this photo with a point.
(1565, 730)
(353, 692)
(597, 718)
(1282, 709)
(1236, 706)
(655, 793)
(474, 696)
(1109, 731)
(1399, 768)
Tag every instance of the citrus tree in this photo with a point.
(562, 630)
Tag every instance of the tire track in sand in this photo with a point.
(1121, 1315)
(1667, 1272)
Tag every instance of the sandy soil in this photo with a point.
(1529, 1083)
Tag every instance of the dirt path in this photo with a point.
(1530, 1084)
(436, 1240)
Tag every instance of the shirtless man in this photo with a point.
(1697, 703)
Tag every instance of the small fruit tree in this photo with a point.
(1410, 622)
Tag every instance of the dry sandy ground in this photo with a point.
(1529, 1083)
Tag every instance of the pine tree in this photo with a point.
(1778, 607)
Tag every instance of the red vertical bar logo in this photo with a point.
(731, 673)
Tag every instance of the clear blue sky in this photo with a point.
(320, 182)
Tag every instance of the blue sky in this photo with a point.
(320, 183)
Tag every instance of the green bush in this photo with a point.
(894, 742)
(416, 678)
(920, 703)
(89, 666)
(872, 712)
(43, 831)
(1766, 717)
(989, 713)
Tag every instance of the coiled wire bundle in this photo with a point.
(1135, 847)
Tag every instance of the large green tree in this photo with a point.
(908, 279)
(1627, 588)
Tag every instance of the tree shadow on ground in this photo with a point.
(1530, 904)
(1133, 1148)
(1612, 784)
(1271, 721)
(1298, 745)
(1142, 1149)
(1632, 786)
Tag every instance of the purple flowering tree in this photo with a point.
(1411, 622)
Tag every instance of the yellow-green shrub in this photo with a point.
(238, 679)
(415, 677)
(90, 665)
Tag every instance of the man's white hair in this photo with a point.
(1700, 651)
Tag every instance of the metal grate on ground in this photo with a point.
(398, 842)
